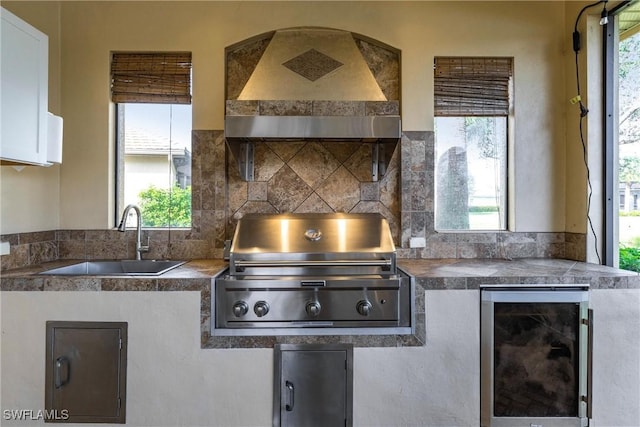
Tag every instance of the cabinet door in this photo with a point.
(314, 386)
(86, 371)
(24, 91)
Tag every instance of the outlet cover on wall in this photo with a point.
(417, 242)
(5, 248)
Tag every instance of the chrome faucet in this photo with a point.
(123, 226)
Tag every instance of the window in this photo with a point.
(152, 92)
(621, 228)
(629, 143)
(472, 105)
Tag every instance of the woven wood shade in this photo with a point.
(160, 78)
(465, 86)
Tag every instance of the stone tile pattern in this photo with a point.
(312, 64)
(241, 60)
(312, 108)
(417, 219)
(383, 61)
(432, 274)
(435, 274)
(313, 176)
(404, 196)
(29, 249)
(204, 240)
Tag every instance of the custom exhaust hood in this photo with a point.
(313, 84)
(295, 128)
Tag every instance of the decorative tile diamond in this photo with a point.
(266, 163)
(312, 64)
(313, 163)
(341, 190)
(286, 190)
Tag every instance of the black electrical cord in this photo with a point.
(576, 48)
(584, 153)
(583, 113)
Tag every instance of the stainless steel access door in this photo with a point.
(86, 371)
(313, 385)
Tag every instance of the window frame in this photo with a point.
(507, 190)
(145, 77)
(119, 168)
(504, 189)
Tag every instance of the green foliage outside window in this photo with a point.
(629, 136)
(630, 259)
(166, 207)
(629, 169)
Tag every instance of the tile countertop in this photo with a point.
(429, 273)
(471, 273)
(194, 275)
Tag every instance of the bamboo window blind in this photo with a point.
(472, 86)
(152, 77)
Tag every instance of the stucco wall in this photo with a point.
(172, 381)
(532, 32)
(30, 198)
(616, 367)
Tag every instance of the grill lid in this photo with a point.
(312, 233)
(313, 240)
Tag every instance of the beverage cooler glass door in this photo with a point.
(535, 356)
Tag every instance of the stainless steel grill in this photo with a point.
(312, 274)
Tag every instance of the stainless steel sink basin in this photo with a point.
(116, 268)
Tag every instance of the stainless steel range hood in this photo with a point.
(381, 132)
(295, 128)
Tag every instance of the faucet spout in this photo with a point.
(123, 226)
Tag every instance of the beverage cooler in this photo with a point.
(535, 356)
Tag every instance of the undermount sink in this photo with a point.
(116, 268)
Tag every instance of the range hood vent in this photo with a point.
(296, 128)
(381, 132)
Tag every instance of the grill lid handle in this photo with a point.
(336, 263)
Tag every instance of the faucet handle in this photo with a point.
(143, 248)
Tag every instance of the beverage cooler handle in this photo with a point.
(590, 369)
(588, 399)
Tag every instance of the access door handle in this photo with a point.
(61, 371)
(290, 396)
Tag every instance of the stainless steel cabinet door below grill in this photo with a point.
(315, 386)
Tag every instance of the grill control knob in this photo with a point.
(261, 308)
(313, 308)
(240, 308)
(364, 307)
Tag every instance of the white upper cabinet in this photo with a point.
(24, 92)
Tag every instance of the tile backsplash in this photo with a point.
(300, 177)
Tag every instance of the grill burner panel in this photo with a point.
(289, 302)
(312, 274)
